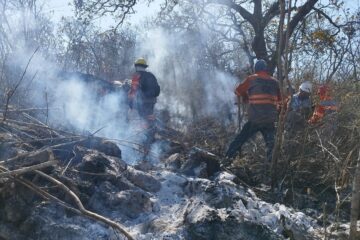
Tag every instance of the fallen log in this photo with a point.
(28, 159)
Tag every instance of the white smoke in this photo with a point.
(190, 88)
(187, 86)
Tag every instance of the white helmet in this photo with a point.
(306, 87)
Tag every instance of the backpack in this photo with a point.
(149, 85)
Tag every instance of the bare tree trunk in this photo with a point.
(355, 202)
(276, 150)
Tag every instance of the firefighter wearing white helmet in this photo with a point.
(306, 87)
(299, 112)
(299, 108)
(301, 101)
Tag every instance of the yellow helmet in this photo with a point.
(141, 62)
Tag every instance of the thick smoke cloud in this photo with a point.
(190, 86)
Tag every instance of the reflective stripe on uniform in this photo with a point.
(263, 101)
(263, 96)
(328, 105)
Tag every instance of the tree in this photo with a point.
(85, 48)
(119, 8)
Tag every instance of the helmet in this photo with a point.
(141, 62)
(306, 87)
(260, 65)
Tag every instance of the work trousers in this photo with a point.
(250, 128)
(146, 112)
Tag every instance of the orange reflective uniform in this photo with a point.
(326, 105)
(262, 92)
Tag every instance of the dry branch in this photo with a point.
(28, 169)
(40, 155)
(24, 110)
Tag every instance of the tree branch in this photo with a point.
(242, 11)
(299, 16)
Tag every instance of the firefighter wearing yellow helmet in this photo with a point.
(140, 62)
(142, 96)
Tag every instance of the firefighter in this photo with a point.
(325, 112)
(263, 94)
(142, 97)
(299, 112)
(325, 107)
(299, 108)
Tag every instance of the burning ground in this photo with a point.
(179, 194)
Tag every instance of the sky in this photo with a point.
(63, 8)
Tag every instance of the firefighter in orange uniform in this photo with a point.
(326, 105)
(263, 94)
(325, 111)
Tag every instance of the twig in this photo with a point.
(335, 158)
(48, 139)
(321, 144)
(90, 173)
(24, 110)
(37, 125)
(12, 92)
(47, 107)
(67, 165)
(46, 148)
(92, 134)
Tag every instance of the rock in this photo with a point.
(143, 180)
(105, 146)
(173, 162)
(98, 167)
(108, 201)
(15, 204)
(201, 164)
(171, 147)
(205, 223)
(50, 221)
(8, 231)
(144, 166)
